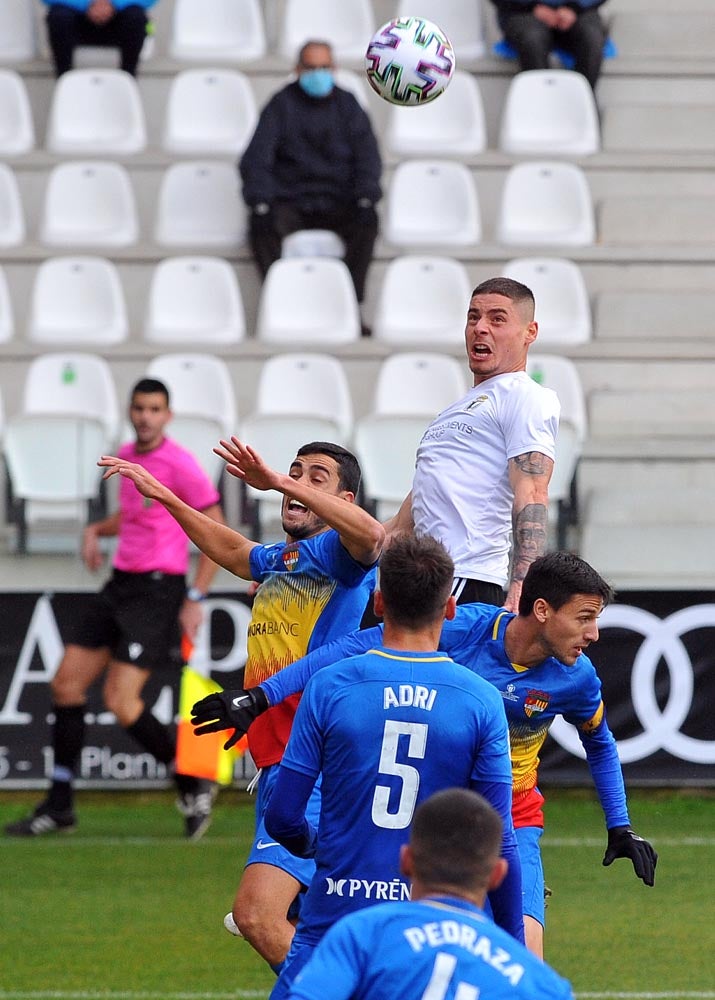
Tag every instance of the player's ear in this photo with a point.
(407, 866)
(541, 609)
(378, 604)
(450, 609)
(501, 867)
(347, 495)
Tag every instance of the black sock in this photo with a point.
(67, 742)
(154, 737)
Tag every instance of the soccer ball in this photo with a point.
(409, 61)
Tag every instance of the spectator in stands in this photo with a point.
(313, 163)
(118, 23)
(534, 29)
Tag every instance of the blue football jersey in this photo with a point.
(386, 730)
(439, 948)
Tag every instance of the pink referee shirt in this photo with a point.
(150, 540)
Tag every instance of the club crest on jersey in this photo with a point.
(535, 702)
(290, 557)
(478, 401)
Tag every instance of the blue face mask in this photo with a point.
(317, 82)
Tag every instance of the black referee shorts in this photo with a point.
(137, 616)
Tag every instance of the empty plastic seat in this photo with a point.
(203, 403)
(17, 31)
(451, 126)
(69, 416)
(546, 203)
(563, 310)
(411, 389)
(308, 299)
(17, 131)
(96, 111)
(209, 111)
(312, 243)
(300, 398)
(7, 322)
(550, 111)
(200, 205)
(461, 22)
(422, 300)
(217, 30)
(432, 203)
(89, 204)
(561, 375)
(348, 26)
(194, 300)
(12, 217)
(77, 300)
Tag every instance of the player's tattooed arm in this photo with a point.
(529, 476)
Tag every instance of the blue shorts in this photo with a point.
(532, 871)
(265, 850)
(296, 959)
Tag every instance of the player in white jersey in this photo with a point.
(441, 945)
(483, 465)
(383, 731)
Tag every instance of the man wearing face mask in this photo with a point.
(313, 163)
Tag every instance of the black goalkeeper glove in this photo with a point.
(624, 843)
(234, 709)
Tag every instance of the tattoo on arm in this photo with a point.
(529, 538)
(532, 463)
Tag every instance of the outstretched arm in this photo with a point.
(360, 533)
(529, 476)
(217, 541)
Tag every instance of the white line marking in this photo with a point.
(73, 840)
(128, 995)
(658, 841)
(672, 995)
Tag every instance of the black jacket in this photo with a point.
(314, 151)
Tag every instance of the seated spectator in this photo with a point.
(313, 163)
(534, 29)
(118, 23)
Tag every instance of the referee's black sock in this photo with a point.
(67, 743)
(154, 737)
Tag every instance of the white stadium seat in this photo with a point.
(550, 111)
(12, 216)
(194, 300)
(96, 112)
(432, 203)
(209, 111)
(300, 398)
(308, 299)
(52, 463)
(563, 310)
(7, 321)
(17, 31)
(461, 22)
(546, 203)
(200, 206)
(453, 125)
(348, 26)
(89, 204)
(422, 300)
(217, 30)
(77, 300)
(203, 403)
(17, 130)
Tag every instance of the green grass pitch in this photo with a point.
(125, 909)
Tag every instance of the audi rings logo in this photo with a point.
(661, 727)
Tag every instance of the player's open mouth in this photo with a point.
(481, 350)
(294, 505)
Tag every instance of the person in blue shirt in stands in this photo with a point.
(441, 944)
(534, 29)
(118, 23)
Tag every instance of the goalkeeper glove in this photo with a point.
(234, 709)
(624, 843)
